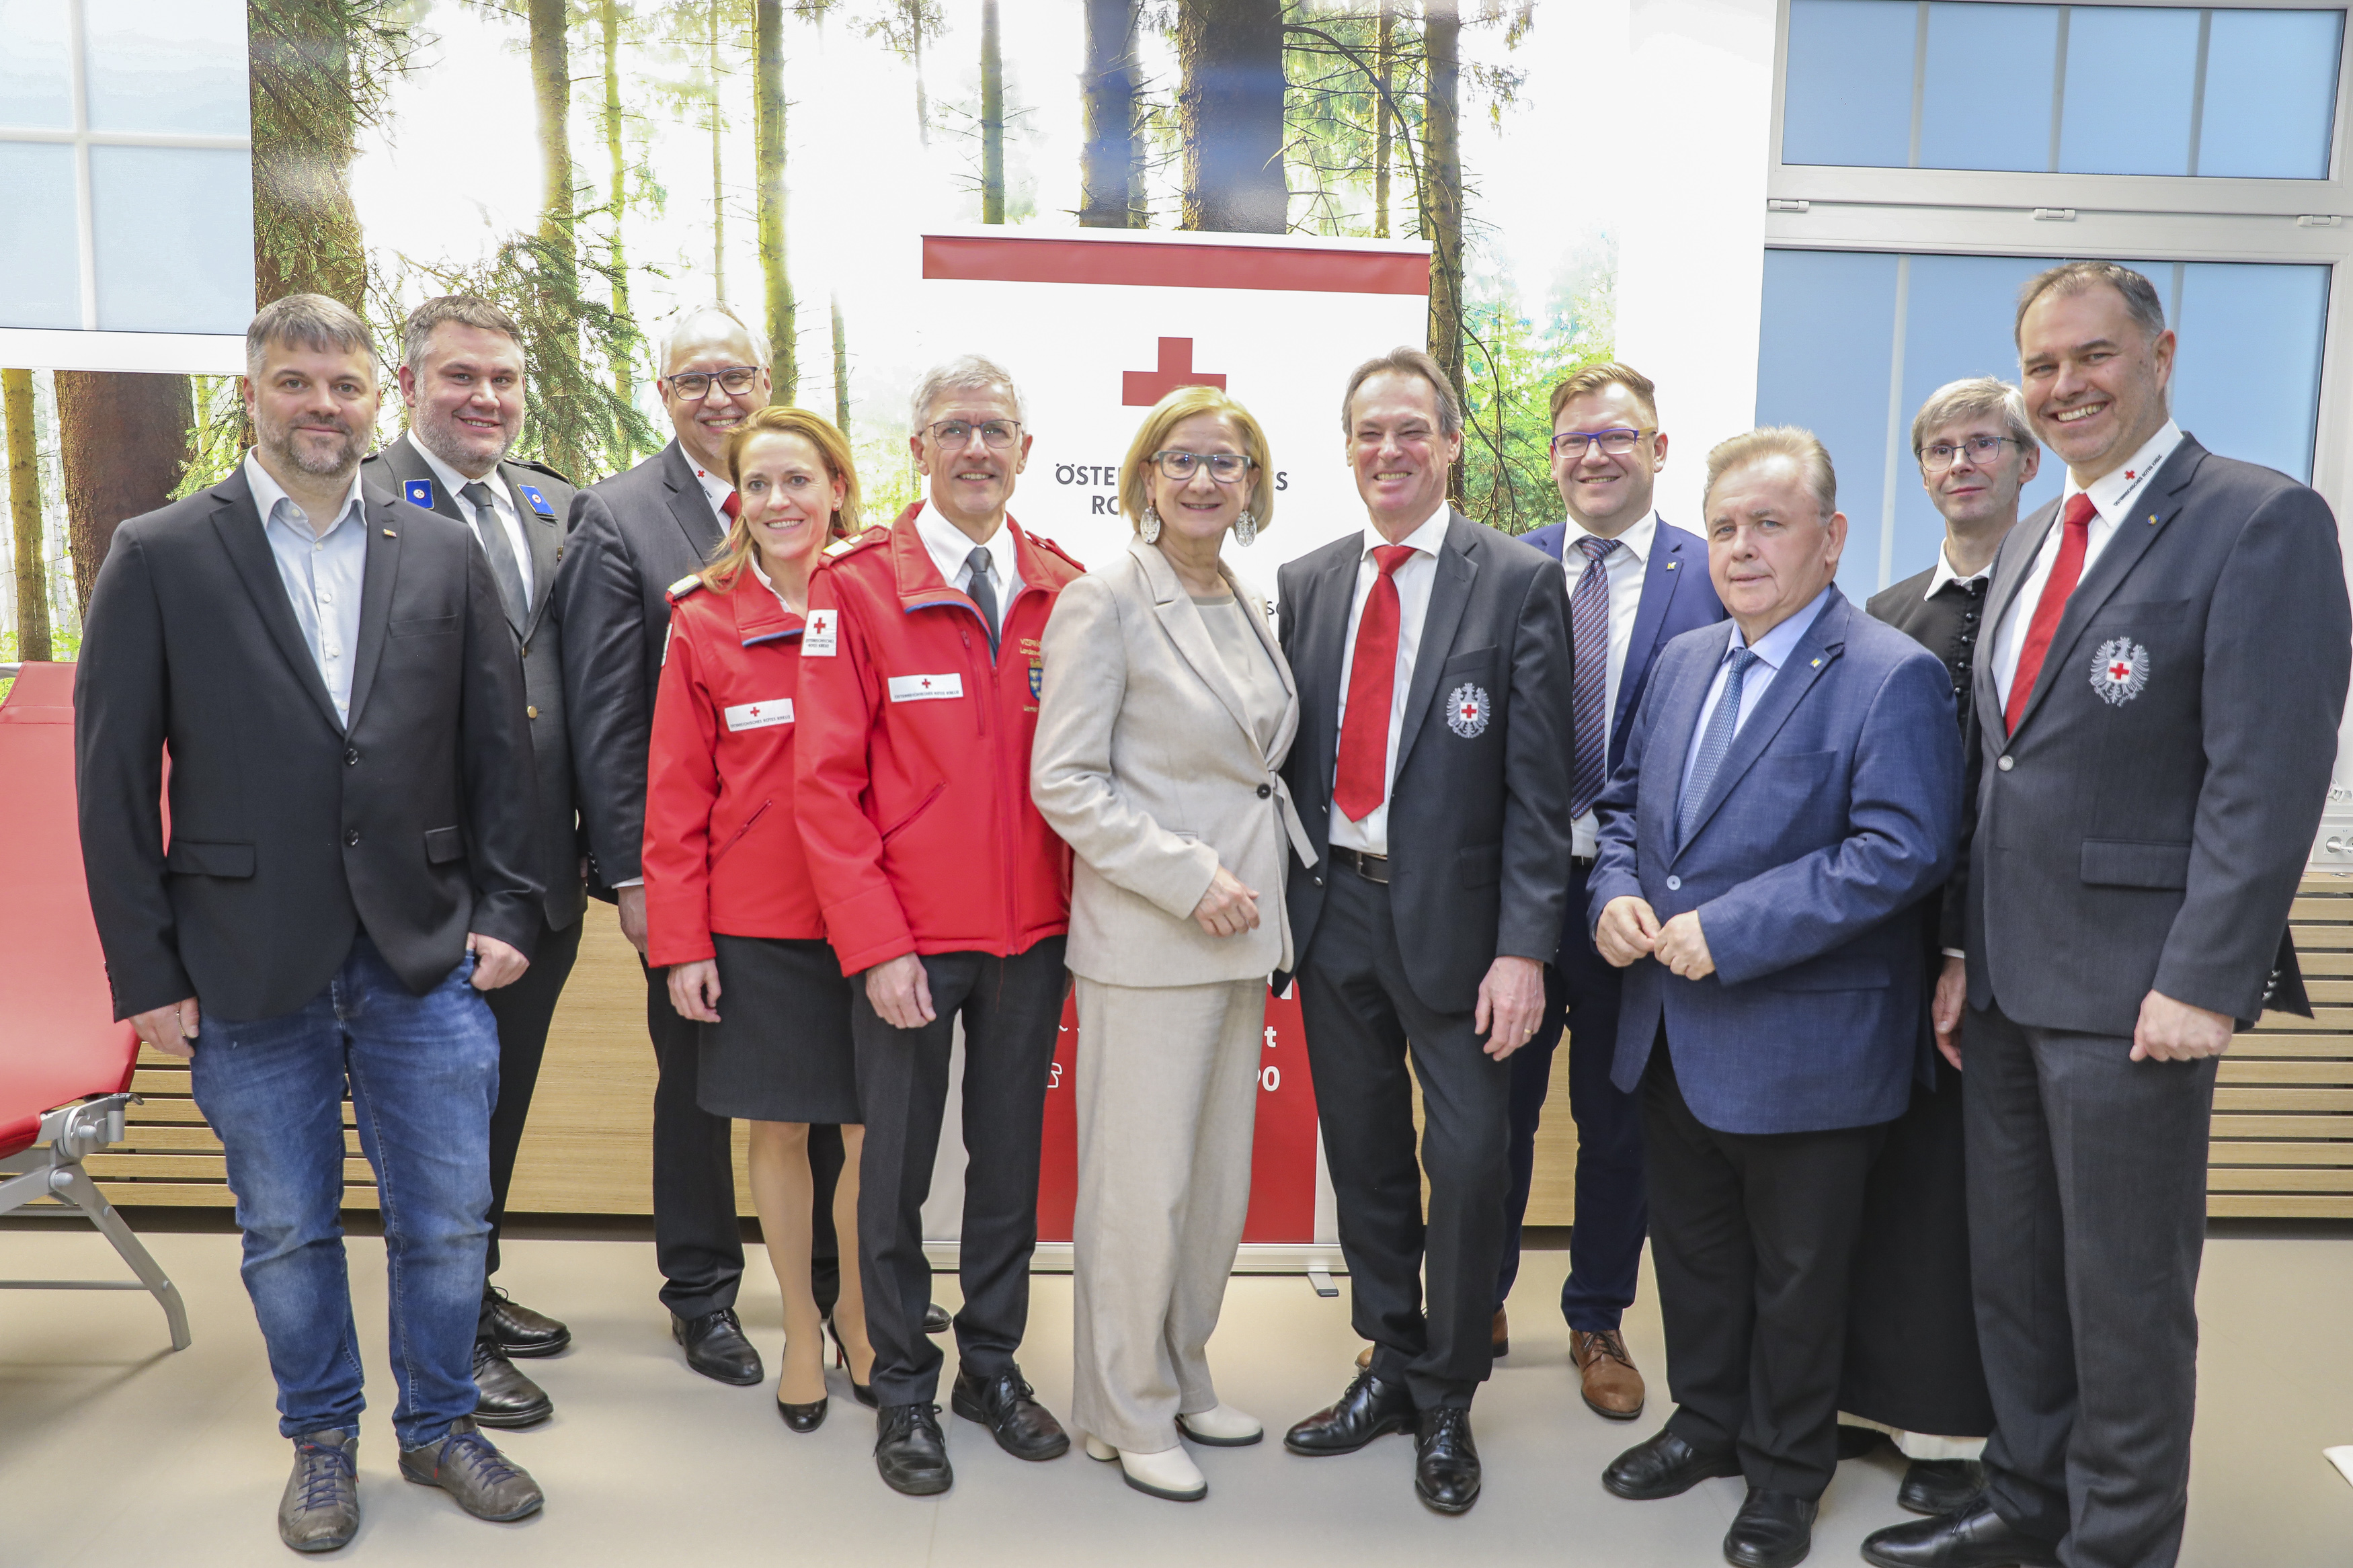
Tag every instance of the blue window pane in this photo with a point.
(2247, 381)
(40, 265)
(174, 238)
(2131, 74)
(175, 66)
(1986, 103)
(36, 68)
(2271, 94)
(1823, 360)
(1848, 97)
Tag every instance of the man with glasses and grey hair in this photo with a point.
(943, 888)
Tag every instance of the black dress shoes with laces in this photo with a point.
(521, 1333)
(1772, 1529)
(910, 1451)
(1975, 1537)
(1009, 1407)
(1935, 1487)
(715, 1347)
(1445, 1459)
(1665, 1466)
(1369, 1408)
(503, 1397)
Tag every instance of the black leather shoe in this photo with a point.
(503, 1397)
(1666, 1466)
(910, 1451)
(1369, 1408)
(715, 1347)
(521, 1333)
(1009, 1408)
(1935, 1487)
(1977, 1537)
(1772, 1529)
(802, 1417)
(937, 1319)
(1445, 1459)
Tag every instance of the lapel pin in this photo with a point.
(389, 534)
(1818, 664)
(1673, 565)
(2152, 520)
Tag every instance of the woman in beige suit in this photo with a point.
(1166, 712)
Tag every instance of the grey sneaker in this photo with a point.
(464, 1464)
(321, 1510)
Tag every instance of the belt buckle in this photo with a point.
(1372, 867)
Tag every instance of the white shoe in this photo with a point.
(1099, 1449)
(1169, 1474)
(1222, 1427)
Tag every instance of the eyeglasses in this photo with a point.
(997, 432)
(1982, 449)
(1226, 467)
(694, 385)
(1613, 443)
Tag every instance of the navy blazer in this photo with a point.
(1837, 809)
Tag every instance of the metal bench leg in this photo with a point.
(71, 1182)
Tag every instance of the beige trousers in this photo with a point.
(1167, 1096)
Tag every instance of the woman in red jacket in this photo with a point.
(729, 907)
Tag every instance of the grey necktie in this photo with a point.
(1715, 741)
(983, 590)
(501, 550)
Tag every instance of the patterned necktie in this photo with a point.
(1360, 781)
(2074, 537)
(501, 550)
(1715, 741)
(983, 589)
(1588, 625)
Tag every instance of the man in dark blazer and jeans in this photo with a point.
(2159, 699)
(349, 868)
(1433, 668)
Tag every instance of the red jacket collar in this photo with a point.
(760, 616)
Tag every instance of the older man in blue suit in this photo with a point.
(1791, 787)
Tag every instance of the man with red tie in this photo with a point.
(2159, 708)
(1435, 686)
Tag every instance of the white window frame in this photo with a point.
(88, 347)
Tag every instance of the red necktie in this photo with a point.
(732, 506)
(2076, 533)
(1361, 780)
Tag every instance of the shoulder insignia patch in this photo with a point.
(864, 539)
(686, 585)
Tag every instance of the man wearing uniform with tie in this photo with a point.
(461, 375)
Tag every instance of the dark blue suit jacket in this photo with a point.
(1837, 809)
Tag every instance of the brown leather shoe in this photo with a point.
(1612, 1387)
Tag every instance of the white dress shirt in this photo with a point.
(1413, 582)
(1945, 573)
(1626, 566)
(2113, 495)
(501, 503)
(323, 572)
(951, 551)
(1774, 647)
(715, 490)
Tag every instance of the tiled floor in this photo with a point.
(113, 1450)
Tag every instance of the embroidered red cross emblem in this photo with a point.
(927, 683)
(2119, 670)
(1470, 710)
(1143, 388)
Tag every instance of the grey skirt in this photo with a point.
(781, 1050)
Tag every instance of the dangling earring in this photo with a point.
(1151, 528)
(1246, 529)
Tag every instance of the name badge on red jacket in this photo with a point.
(926, 688)
(760, 715)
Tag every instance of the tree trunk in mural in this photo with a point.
(1107, 195)
(551, 82)
(768, 139)
(1384, 44)
(306, 232)
(841, 371)
(611, 18)
(1442, 184)
(124, 436)
(25, 518)
(992, 118)
(1230, 114)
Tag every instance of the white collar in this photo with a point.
(1635, 541)
(1426, 539)
(951, 547)
(268, 492)
(1945, 573)
(2112, 490)
(452, 479)
(714, 485)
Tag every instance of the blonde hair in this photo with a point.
(1134, 488)
(1778, 441)
(737, 548)
(1966, 399)
(1608, 372)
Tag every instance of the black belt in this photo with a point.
(1371, 867)
(1583, 862)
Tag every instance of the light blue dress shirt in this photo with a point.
(322, 573)
(1771, 649)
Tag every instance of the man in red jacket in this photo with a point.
(946, 891)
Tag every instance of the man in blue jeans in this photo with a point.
(347, 870)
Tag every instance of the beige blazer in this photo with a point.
(1144, 763)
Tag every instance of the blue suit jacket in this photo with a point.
(1836, 810)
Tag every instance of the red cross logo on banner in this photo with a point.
(1143, 388)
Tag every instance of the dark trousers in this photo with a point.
(2087, 1220)
(1364, 1022)
(1753, 1235)
(524, 1010)
(1011, 1009)
(1604, 1249)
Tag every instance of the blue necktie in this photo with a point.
(1588, 625)
(1715, 741)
